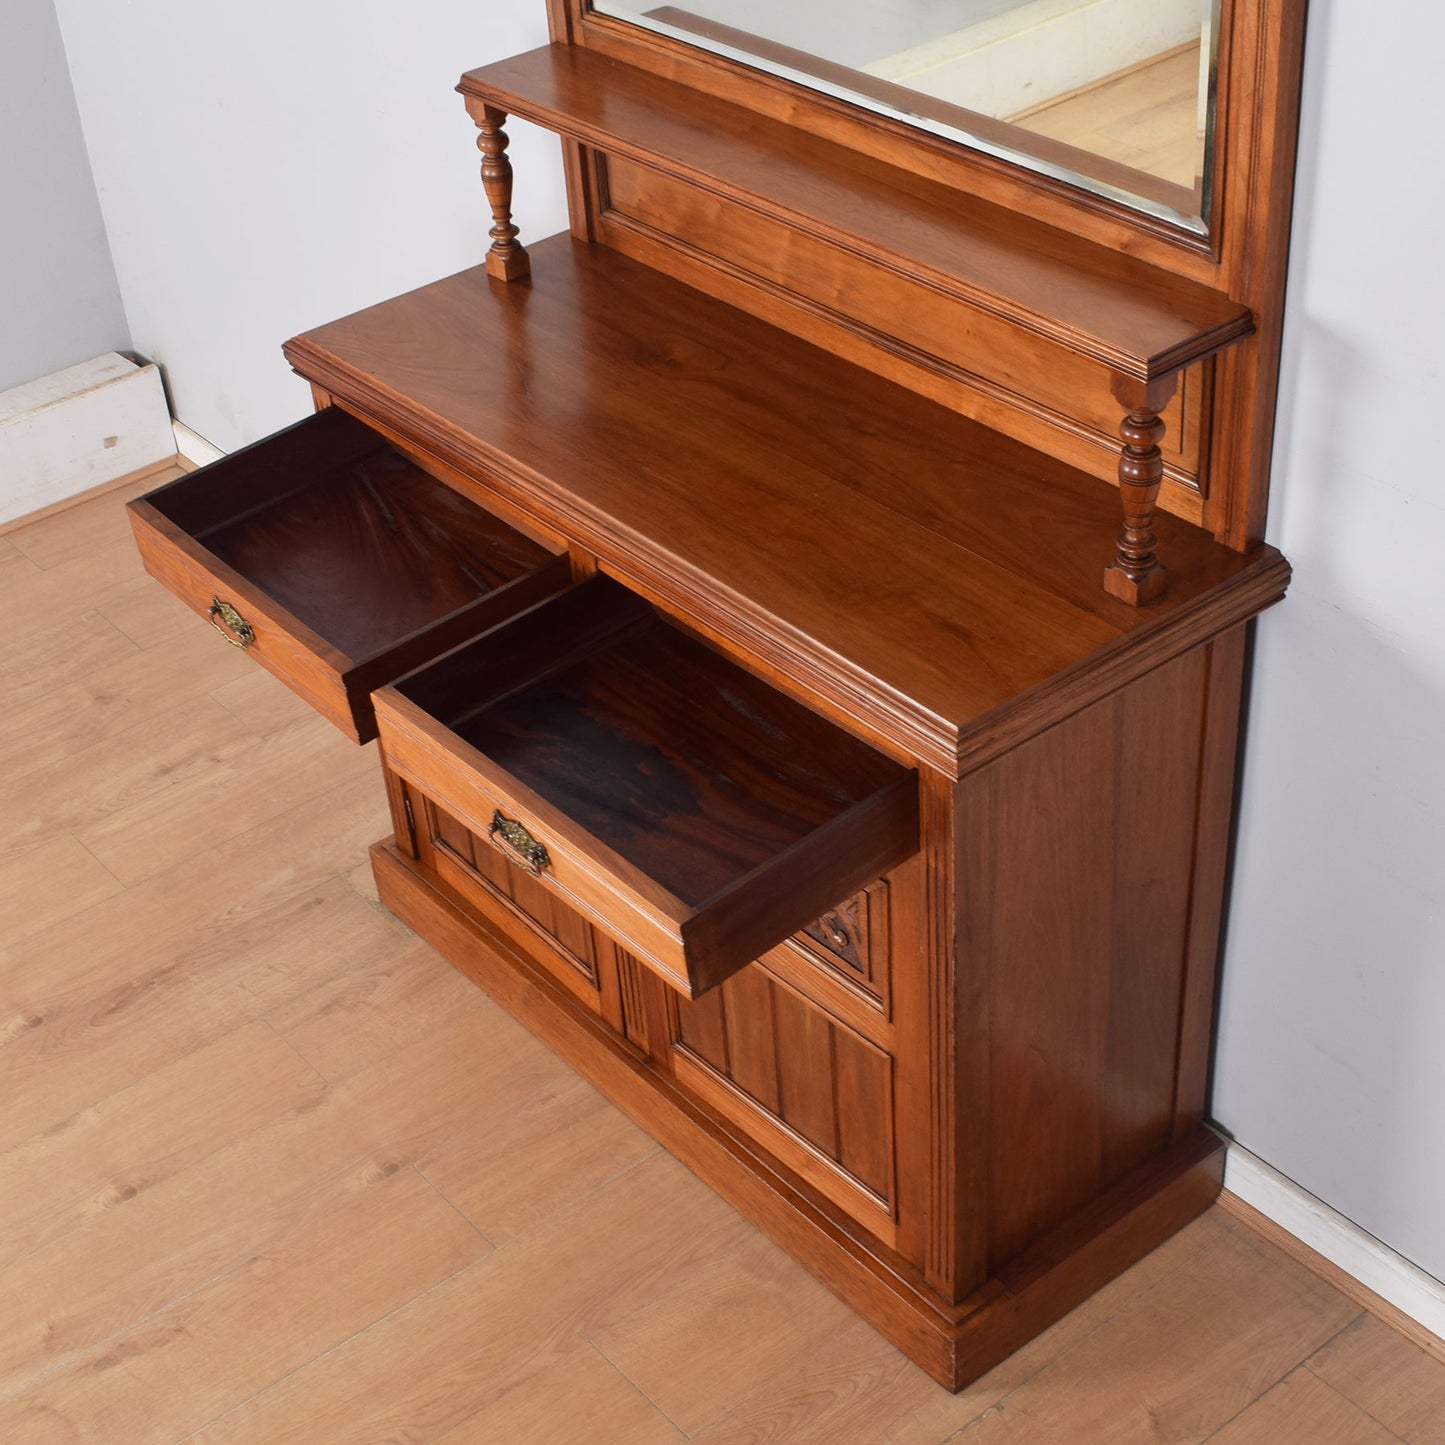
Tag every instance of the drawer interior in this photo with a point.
(337, 561)
(611, 723)
(349, 536)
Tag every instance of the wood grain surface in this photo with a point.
(694, 813)
(1100, 304)
(905, 566)
(348, 563)
(365, 551)
(224, 1084)
(970, 361)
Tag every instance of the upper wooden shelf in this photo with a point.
(915, 569)
(1115, 309)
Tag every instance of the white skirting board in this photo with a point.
(194, 447)
(1358, 1253)
(78, 429)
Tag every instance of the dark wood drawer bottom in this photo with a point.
(681, 803)
(336, 562)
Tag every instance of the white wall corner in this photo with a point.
(78, 429)
(1341, 1241)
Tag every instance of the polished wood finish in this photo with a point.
(1243, 258)
(1136, 574)
(691, 810)
(770, 444)
(1076, 886)
(954, 1345)
(347, 564)
(831, 631)
(981, 1193)
(580, 957)
(972, 362)
(825, 1093)
(1099, 304)
(1074, 1003)
(1261, 57)
(506, 260)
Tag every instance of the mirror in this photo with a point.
(1115, 96)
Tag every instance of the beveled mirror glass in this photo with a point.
(1115, 96)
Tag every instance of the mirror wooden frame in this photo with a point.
(1037, 152)
(1228, 416)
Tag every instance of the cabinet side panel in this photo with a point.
(1075, 859)
(1218, 759)
(1156, 781)
(1036, 831)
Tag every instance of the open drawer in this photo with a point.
(681, 804)
(337, 562)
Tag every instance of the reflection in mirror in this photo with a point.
(1112, 95)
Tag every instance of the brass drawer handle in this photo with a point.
(531, 854)
(237, 631)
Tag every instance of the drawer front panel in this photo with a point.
(808, 1087)
(306, 663)
(468, 788)
(680, 803)
(570, 949)
(336, 561)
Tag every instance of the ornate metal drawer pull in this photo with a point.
(529, 851)
(237, 631)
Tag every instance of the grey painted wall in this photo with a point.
(59, 302)
(1332, 1044)
(269, 166)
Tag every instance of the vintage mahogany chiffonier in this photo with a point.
(774, 714)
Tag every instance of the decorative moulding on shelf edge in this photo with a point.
(1386, 1283)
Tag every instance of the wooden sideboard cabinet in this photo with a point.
(773, 713)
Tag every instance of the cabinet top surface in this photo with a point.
(914, 570)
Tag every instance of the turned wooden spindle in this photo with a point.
(506, 260)
(1135, 575)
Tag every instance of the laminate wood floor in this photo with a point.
(1144, 118)
(273, 1172)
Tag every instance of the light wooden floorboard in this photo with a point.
(1395, 1382)
(272, 1172)
(1303, 1407)
(583, 1400)
(1144, 118)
